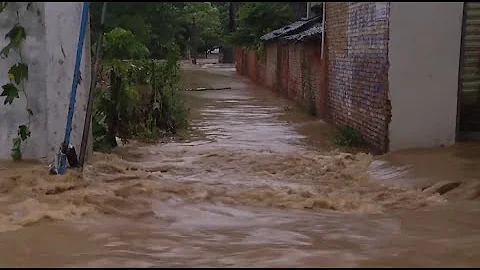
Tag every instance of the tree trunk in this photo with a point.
(194, 42)
(189, 53)
(227, 55)
(112, 117)
(227, 51)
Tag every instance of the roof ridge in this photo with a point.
(288, 29)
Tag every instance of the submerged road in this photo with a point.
(257, 184)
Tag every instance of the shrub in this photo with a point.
(348, 136)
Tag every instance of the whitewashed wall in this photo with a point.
(52, 31)
(424, 53)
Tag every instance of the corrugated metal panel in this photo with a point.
(469, 81)
(470, 70)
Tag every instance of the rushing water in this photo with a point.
(258, 184)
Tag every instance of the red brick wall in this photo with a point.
(252, 65)
(271, 65)
(248, 63)
(295, 70)
(283, 69)
(261, 71)
(240, 63)
(305, 73)
(357, 45)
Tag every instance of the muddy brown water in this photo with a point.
(257, 184)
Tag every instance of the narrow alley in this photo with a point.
(250, 186)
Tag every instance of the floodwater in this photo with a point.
(257, 184)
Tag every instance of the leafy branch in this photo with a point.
(16, 35)
(17, 75)
(3, 5)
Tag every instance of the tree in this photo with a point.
(228, 12)
(201, 26)
(122, 44)
(259, 18)
(224, 17)
(155, 24)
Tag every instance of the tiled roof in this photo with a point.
(298, 30)
(314, 31)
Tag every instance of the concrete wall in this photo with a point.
(33, 50)
(357, 37)
(424, 51)
(63, 27)
(49, 50)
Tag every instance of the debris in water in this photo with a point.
(207, 89)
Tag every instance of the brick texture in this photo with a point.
(271, 65)
(294, 70)
(248, 63)
(357, 46)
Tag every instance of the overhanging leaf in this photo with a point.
(16, 153)
(18, 72)
(16, 36)
(3, 5)
(10, 92)
(23, 132)
(6, 50)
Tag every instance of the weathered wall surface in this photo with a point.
(294, 70)
(252, 65)
(424, 53)
(391, 71)
(33, 50)
(247, 63)
(62, 29)
(271, 65)
(357, 37)
(304, 75)
(49, 51)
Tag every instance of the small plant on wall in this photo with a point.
(17, 77)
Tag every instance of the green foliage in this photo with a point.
(99, 131)
(3, 6)
(18, 73)
(122, 44)
(16, 36)
(259, 18)
(23, 133)
(140, 102)
(201, 24)
(15, 151)
(156, 23)
(348, 136)
(10, 92)
(224, 17)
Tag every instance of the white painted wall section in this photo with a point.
(49, 50)
(62, 31)
(424, 51)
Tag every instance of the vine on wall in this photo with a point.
(17, 75)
